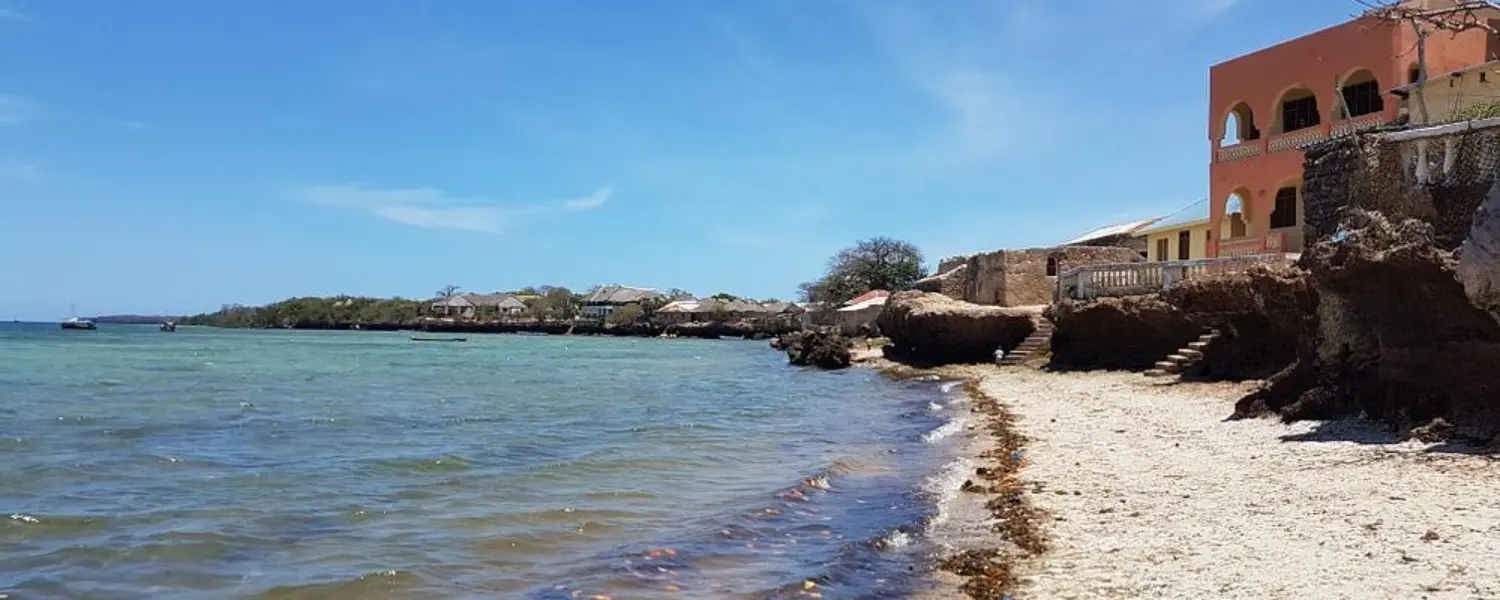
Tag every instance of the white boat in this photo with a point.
(74, 322)
(77, 323)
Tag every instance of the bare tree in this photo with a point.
(447, 291)
(1462, 16)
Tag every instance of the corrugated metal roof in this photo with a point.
(1111, 231)
(876, 301)
(1197, 211)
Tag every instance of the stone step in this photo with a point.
(1197, 345)
(1178, 358)
(1167, 366)
(1157, 373)
(1207, 337)
(1191, 353)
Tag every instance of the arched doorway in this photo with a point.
(1236, 220)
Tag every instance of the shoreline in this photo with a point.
(1110, 485)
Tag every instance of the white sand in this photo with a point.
(1154, 495)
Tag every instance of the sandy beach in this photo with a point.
(1149, 493)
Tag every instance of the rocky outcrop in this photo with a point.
(1394, 336)
(821, 348)
(1479, 258)
(929, 329)
(1132, 332)
(1259, 314)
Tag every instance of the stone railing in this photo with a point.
(1253, 244)
(1239, 151)
(1296, 139)
(1357, 124)
(1129, 279)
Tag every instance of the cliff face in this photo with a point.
(1260, 315)
(1394, 336)
(1479, 258)
(932, 328)
(1132, 332)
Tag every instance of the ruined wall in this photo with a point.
(1375, 173)
(1016, 277)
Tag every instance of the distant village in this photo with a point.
(629, 304)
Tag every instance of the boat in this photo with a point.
(169, 326)
(437, 339)
(81, 324)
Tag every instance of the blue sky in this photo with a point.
(170, 156)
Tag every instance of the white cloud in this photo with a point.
(435, 209)
(589, 202)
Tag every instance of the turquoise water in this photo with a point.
(274, 464)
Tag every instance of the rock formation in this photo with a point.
(821, 348)
(927, 328)
(1479, 258)
(1259, 314)
(1132, 332)
(1394, 336)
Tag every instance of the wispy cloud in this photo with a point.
(436, 209)
(589, 202)
(8, 14)
(15, 110)
(993, 109)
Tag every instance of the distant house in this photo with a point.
(1184, 235)
(677, 312)
(606, 299)
(455, 306)
(1121, 235)
(471, 305)
(862, 310)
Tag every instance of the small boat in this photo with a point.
(80, 324)
(437, 339)
(169, 326)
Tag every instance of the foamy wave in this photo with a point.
(948, 388)
(945, 430)
(934, 407)
(893, 540)
(944, 486)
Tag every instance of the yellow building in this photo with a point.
(1182, 235)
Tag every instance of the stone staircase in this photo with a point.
(1033, 346)
(1180, 360)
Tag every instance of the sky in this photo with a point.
(172, 156)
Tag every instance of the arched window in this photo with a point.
(1239, 125)
(1361, 94)
(1298, 109)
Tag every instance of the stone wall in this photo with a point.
(1376, 173)
(1017, 277)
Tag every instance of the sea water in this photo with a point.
(282, 464)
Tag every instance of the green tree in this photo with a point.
(625, 315)
(878, 263)
(726, 296)
(679, 294)
(561, 302)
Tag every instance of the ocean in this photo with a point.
(286, 464)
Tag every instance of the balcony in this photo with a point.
(1357, 124)
(1251, 245)
(1129, 279)
(1295, 140)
